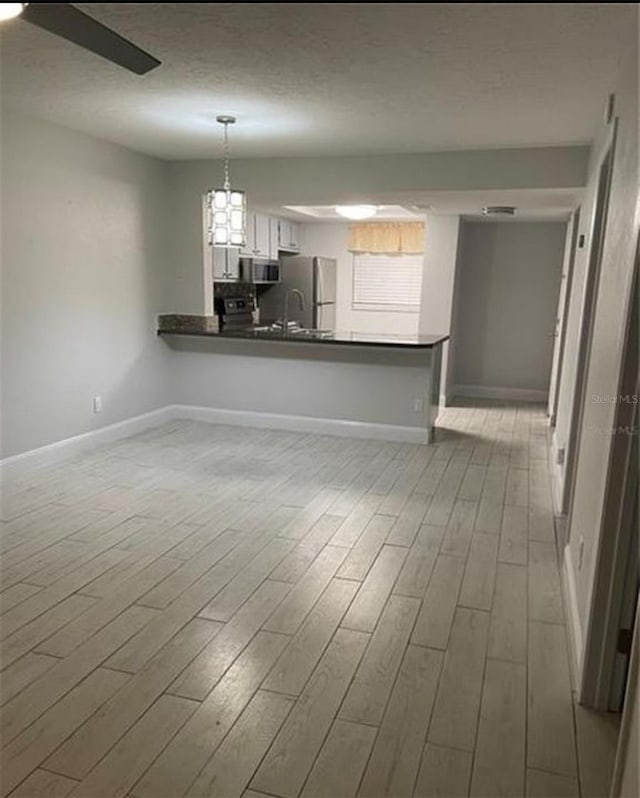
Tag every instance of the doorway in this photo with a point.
(627, 614)
(586, 332)
(615, 593)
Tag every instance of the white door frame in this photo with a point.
(598, 233)
(625, 755)
(564, 297)
(614, 596)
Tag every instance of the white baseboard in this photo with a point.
(497, 392)
(322, 426)
(575, 627)
(556, 486)
(53, 452)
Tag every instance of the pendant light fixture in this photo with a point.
(11, 10)
(227, 206)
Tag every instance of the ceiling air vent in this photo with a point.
(499, 210)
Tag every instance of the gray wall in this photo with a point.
(436, 308)
(83, 277)
(507, 293)
(97, 240)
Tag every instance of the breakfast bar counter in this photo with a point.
(377, 385)
(208, 326)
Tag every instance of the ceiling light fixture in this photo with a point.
(227, 206)
(11, 10)
(356, 212)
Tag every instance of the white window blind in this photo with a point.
(387, 282)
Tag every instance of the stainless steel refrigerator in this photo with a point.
(316, 278)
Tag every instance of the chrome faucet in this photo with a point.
(285, 312)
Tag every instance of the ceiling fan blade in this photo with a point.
(70, 23)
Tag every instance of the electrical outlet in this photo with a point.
(580, 552)
(417, 405)
(97, 404)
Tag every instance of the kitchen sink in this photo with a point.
(276, 331)
(263, 332)
(304, 332)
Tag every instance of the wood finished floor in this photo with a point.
(213, 611)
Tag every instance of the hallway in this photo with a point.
(222, 611)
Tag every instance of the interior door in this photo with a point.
(617, 576)
(627, 617)
(588, 316)
(561, 315)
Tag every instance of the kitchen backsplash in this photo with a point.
(226, 290)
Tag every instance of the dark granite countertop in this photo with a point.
(206, 326)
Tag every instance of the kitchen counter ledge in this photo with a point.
(207, 326)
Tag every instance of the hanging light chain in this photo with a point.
(227, 207)
(226, 120)
(227, 183)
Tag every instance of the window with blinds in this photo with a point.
(387, 282)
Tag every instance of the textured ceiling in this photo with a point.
(328, 78)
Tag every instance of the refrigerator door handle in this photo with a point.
(326, 277)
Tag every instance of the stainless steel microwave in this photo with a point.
(259, 270)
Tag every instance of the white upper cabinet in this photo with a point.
(250, 239)
(226, 264)
(274, 224)
(260, 241)
(288, 235)
(294, 230)
(266, 236)
(262, 236)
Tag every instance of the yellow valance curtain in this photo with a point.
(387, 237)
